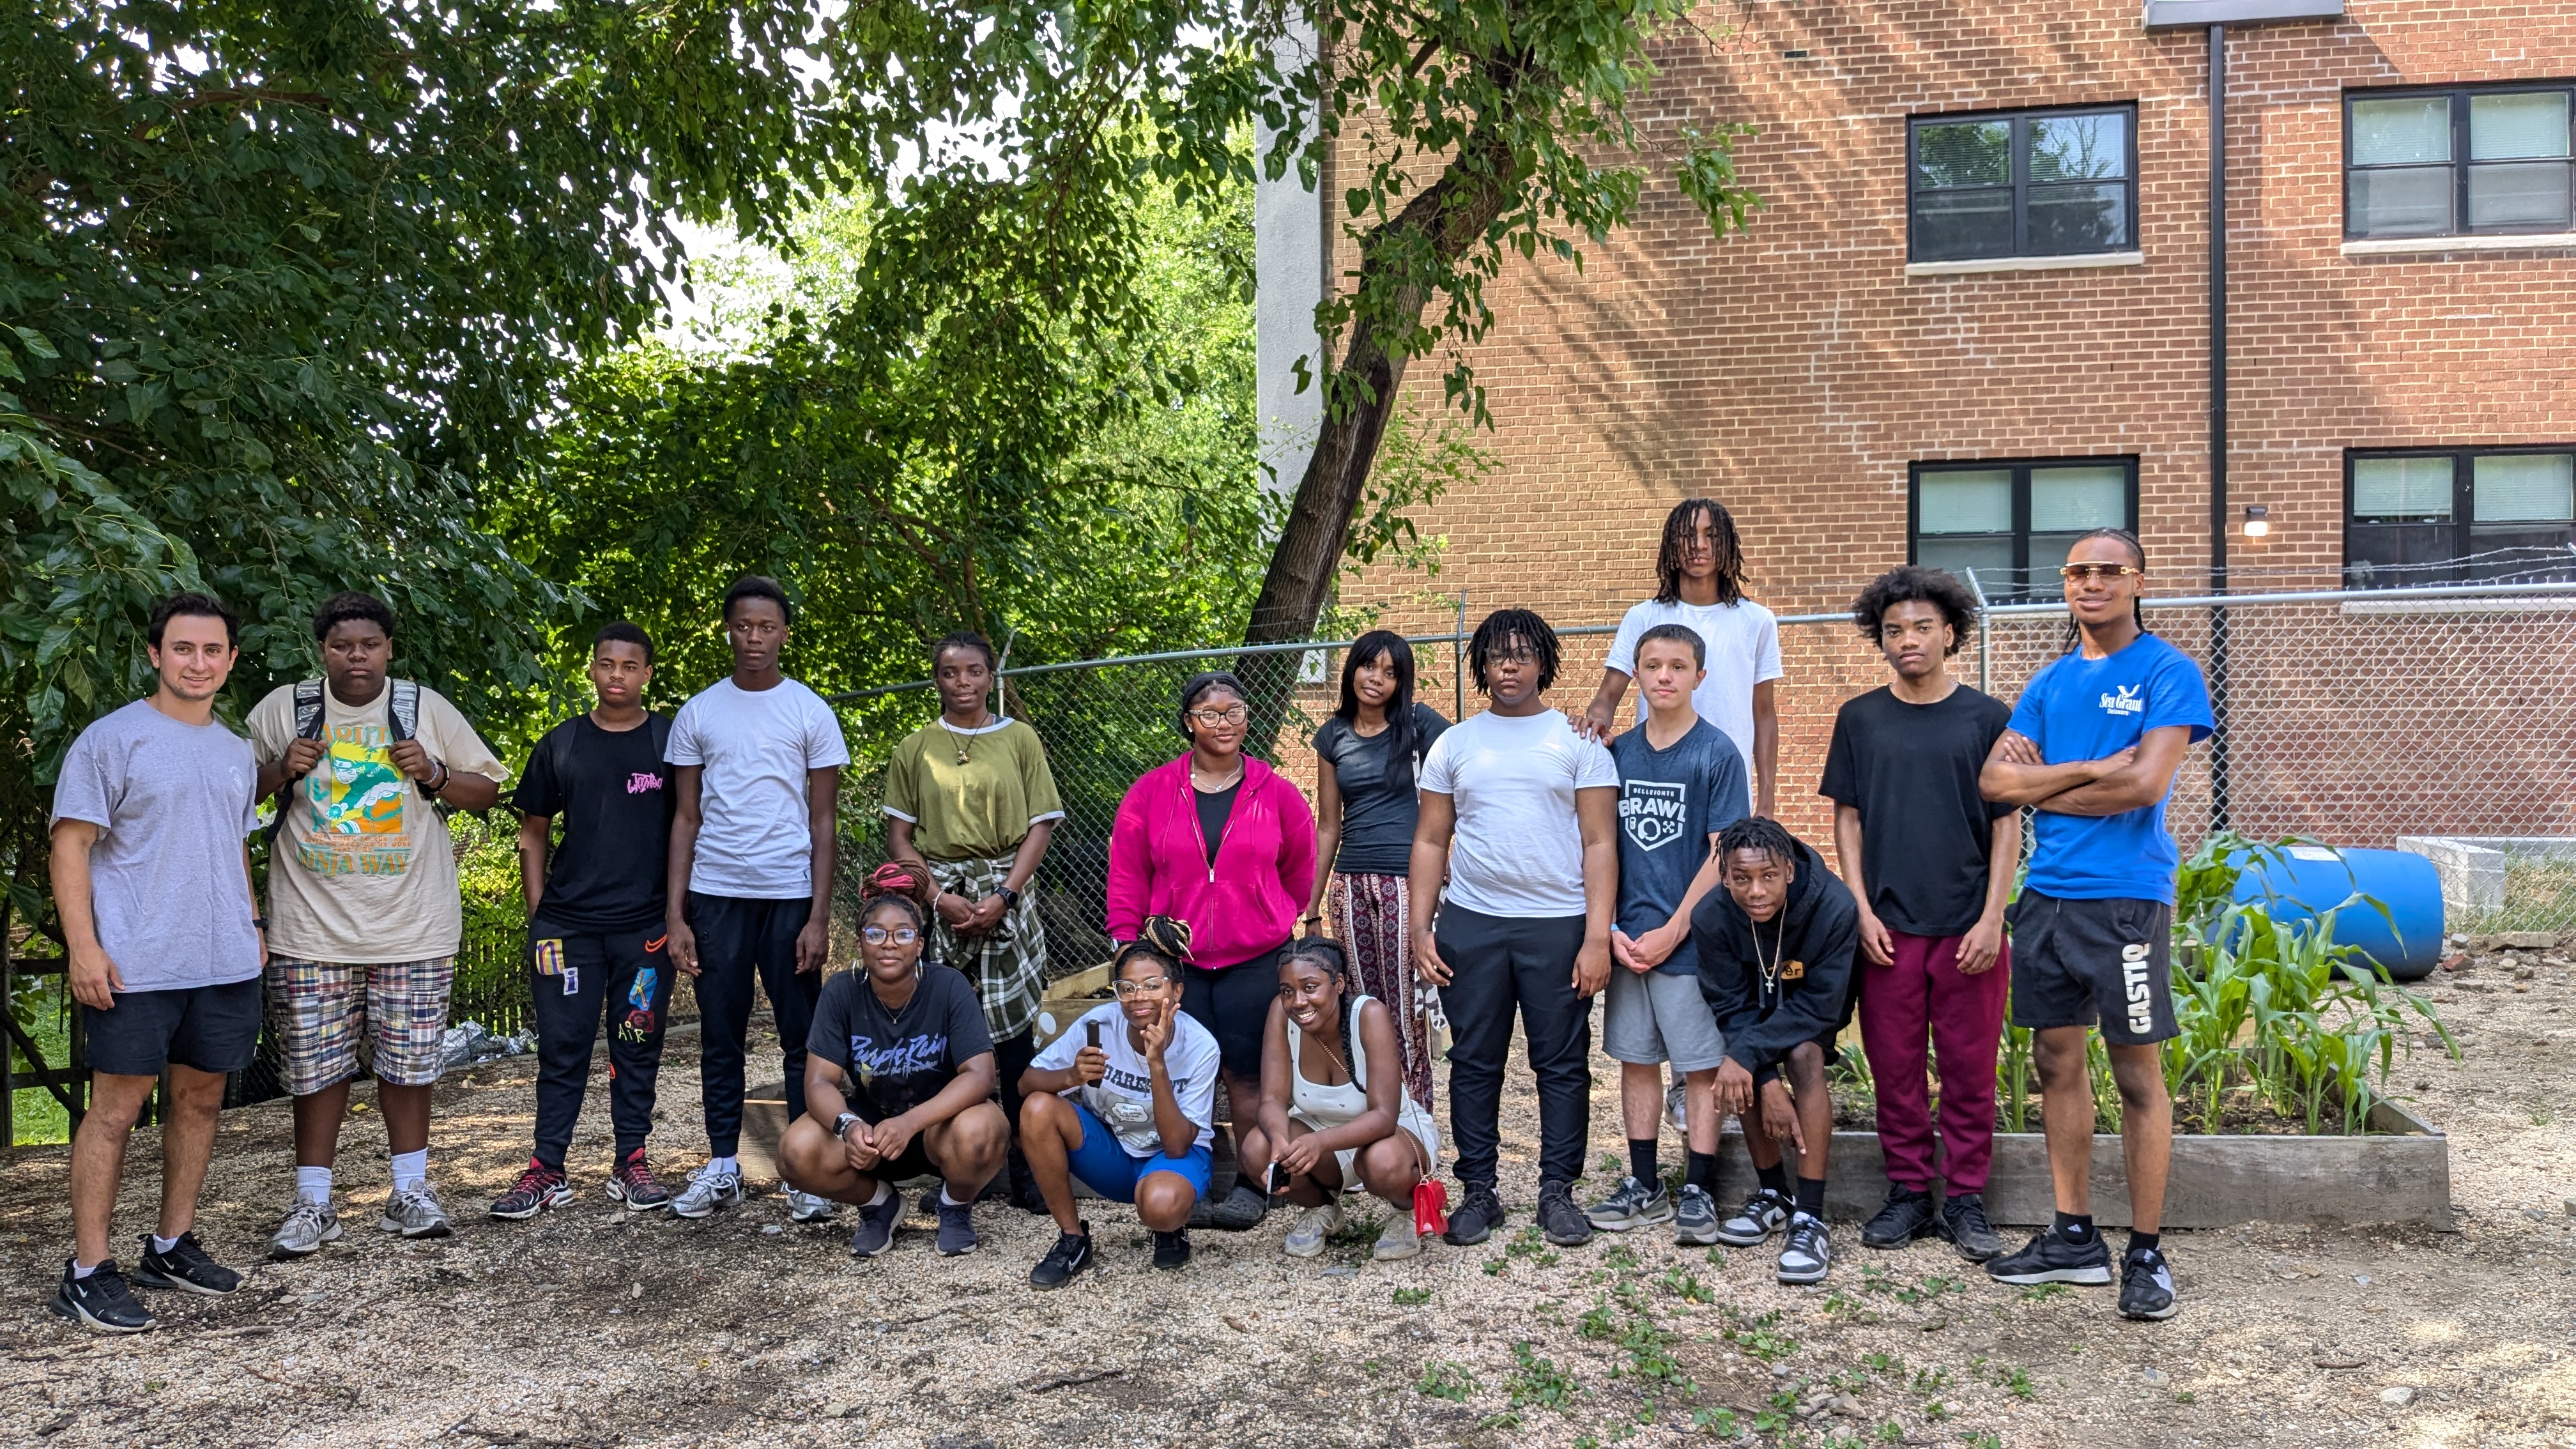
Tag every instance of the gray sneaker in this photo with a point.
(708, 1190)
(1633, 1204)
(1695, 1218)
(1763, 1214)
(805, 1207)
(956, 1229)
(1674, 1107)
(1312, 1230)
(416, 1214)
(307, 1227)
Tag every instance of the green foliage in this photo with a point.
(1537, 1382)
(1442, 1379)
(1409, 1297)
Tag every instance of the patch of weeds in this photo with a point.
(1528, 1243)
(1850, 1381)
(1717, 1423)
(1985, 1441)
(1407, 1297)
(2017, 1383)
(1538, 1382)
(1779, 1413)
(1930, 1288)
(2042, 1292)
(1716, 1258)
(1442, 1379)
(1357, 1232)
(1839, 1304)
(1371, 1366)
(1755, 1336)
(1891, 1432)
(1612, 1167)
(1620, 1259)
(1495, 1268)
(1650, 1354)
(1685, 1287)
(2185, 1396)
(1931, 1378)
(1504, 1420)
(1597, 1322)
(1936, 1411)
(1880, 1363)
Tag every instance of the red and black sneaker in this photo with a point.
(632, 1184)
(540, 1188)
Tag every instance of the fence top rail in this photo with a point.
(1839, 616)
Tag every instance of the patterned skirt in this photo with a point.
(1369, 916)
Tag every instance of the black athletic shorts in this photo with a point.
(1233, 1003)
(2078, 962)
(210, 1028)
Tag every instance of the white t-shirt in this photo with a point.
(1743, 650)
(1125, 1097)
(755, 749)
(1518, 850)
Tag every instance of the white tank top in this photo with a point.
(1321, 1106)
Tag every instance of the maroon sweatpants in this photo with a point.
(1923, 993)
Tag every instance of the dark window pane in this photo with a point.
(1990, 556)
(2079, 148)
(1949, 225)
(2079, 218)
(2519, 194)
(2415, 201)
(2380, 554)
(1970, 153)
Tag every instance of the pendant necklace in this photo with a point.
(1770, 971)
(962, 742)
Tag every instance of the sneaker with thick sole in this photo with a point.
(709, 1189)
(805, 1207)
(307, 1227)
(1694, 1218)
(1476, 1217)
(1808, 1253)
(1763, 1214)
(1070, 1255)
(2049, 1258)
(957, 1228)
(1172, 1250)
(633, 1184)
(1963, 1222)
(1674, 1108)
(875, 1232)
(416, 1212)
(1312, 1230)
(1908, 1215)
(1560, 1217)
(185, 1267)
(2146, 1285)
(1398, 1241)
(1242, 1210)
(101, 1301)
(540, 1189)
(1631, 1205)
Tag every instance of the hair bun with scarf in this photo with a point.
(1167, 937)
(904, 883)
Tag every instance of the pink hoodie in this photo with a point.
(1249, 901)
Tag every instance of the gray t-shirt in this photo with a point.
(755, 747)
(1670, 802)
(172, 803)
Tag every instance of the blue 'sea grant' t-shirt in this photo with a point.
(2089, 709)
(1670, 802)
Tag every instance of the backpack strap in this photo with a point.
(660, 725)
(403, 710)
(308, 709)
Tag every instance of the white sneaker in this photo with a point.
(1398, 1241)
(416, 1213)
(805, 1207)
(1313, 1227)
(307, 1227)
(1674, 1102)
(709, 1188)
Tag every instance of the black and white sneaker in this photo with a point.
(1809, 1251)
(2051, 1259)
(101, 1301)
(1476, 1218)
(1172, 1250)
(1632, 1204)
(2146, 1285)
(1963, 1222)
(185, 1267)
(1908, 1215)
(1070, 1255)
(1763, 1214)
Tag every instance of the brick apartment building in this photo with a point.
(1975, 311)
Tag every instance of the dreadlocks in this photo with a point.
(1500, 631)
(1679, 525)
(2137, 610)
(1758, 832)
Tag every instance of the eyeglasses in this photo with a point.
(1141, 988)
(2103, 571)
(1235, 714)
(879, 935)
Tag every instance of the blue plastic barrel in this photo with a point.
(2305, 881)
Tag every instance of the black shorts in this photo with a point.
(210, 1028)
(2078, 962)
(1233, 1003)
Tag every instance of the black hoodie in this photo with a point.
(1812, 939)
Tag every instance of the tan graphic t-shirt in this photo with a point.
(364, 871)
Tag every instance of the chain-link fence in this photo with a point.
(2348, 716)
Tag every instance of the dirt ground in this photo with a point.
(592, 1327)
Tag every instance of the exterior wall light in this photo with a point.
(2258, 521)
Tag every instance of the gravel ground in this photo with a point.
(592, 1327)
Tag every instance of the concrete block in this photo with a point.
(2472, 875)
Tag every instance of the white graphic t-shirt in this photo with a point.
(1125, 1097)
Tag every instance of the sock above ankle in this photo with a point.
(82, 1270)
(411, 1169)
(722, 1164)
(313, 1185)
(1700, 1170)
(1811, 1196)
(161, 1244)
(1775, 1178)
(948, 1201)
(2075, 1228)
(885, 1190)
(2144, 1242)
(1641, 1160)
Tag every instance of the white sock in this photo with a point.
(161, 1244)
(886, 1190)
(722, 1164)
(82, 1270)
(411, 1169)
(313, 1185)
(952, 1202)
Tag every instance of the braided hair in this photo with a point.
(902, 884)
(1160, 938)
(1328, 955)
(1758, 832)
(2137, 608)
(1678, 527)
(1496, 634)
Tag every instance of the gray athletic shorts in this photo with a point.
(1660, 1017)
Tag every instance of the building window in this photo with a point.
(2026, 184)
(2012, 521)
(2492, 160)
(2458, 515)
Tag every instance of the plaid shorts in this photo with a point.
(324, 1013)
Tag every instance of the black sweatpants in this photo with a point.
(1498, 964)
(737, 940)
(1011, 1057)
(572, 976)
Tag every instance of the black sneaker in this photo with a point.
(1242, 1210)
(1561, 1217)
(101, 1301)
(540, 1189)
(1963, 1222)
(1172, 1250)
(1070, 1255)
(1763, 1214)
(1476, 1218)
(1907, 1216)
(185, 1267)
(2146, 1285)
(2051, 1259)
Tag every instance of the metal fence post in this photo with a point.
(1985, 636)
(1458, 662)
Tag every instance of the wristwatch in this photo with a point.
(841, 1124)
(1010, 898)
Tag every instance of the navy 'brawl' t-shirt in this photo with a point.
(1670, 802)
(893, 1061)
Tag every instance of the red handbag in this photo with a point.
(1430, 1207)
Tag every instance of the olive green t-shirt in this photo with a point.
(979, 808)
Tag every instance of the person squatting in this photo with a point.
(1295, 961)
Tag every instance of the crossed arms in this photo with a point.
(2132, 779)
